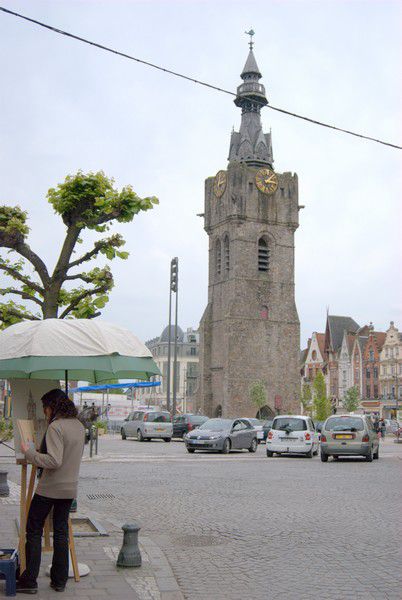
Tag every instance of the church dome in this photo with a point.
(165, 334)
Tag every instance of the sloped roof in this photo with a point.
(337, 326)
(362, 340)
(251, 65)
(165, 334)
(380, 339)
(321, 343)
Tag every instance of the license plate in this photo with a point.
(288, 439)
(160, 429)
(342, 436)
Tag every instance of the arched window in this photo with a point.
(226, 254)
(263, 255)
(218, 257)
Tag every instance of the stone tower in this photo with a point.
(250, 328)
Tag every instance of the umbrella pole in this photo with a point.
(66, 380)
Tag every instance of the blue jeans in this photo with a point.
(38, 511)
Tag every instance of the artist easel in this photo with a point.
(25, 502)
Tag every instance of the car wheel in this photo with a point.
(369, 456)
(140, 437)
(309, 454)
(191, 450)
(335, 457)
(167, 439)
(269, 454)
(226, 446)
(123, 434)
(315, 453)
(324, 457)
(376, 455)
(254, 445)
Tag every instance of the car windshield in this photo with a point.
(344, 424)
(216, 424)
(267, 424)
(158, 417)
(289, 424)
(198, 419)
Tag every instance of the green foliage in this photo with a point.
(351, 400)
(306, 399)
(258, 395)
(100, 425)
(6, 429)
(90, 201)
(321, 404)
(13, 221)
(84, 201)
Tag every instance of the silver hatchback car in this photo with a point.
(147, 424)
(349, 435)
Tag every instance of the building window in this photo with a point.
(226, 253)
(386, 352)
(400, 369)
(264, 311)
(368, 391)
(263, 255)
(367, 373)
(375, 371)
(371, 353)
(314, 355)
(218, 257)
(193, 351)
(376, 391)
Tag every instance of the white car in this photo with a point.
(257, 425)
(293, 434)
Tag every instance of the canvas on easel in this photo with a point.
(26, 429)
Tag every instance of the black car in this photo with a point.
(266, 428)
(182, 424)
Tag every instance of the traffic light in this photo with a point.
(174, 274)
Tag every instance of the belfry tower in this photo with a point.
(250, 328)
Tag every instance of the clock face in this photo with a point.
(266, 181)
(220, 183)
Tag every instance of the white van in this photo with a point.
(292, 434)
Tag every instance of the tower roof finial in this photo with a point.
(250, 33)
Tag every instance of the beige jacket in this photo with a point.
(61, 464)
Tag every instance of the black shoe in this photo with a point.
(56, 587)
(23, 588)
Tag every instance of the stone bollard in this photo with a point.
(4, 489)
(130, 555)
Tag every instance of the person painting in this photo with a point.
(59, 461)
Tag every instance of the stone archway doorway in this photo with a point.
(265, 413)
(218, 411)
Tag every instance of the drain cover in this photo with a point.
(100, 496)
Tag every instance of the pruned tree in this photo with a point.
(321, 404)
(306, 399)
(351, 399)
(258, 396)
(85, 202)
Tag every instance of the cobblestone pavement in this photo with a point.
(244, 526)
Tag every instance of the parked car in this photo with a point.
(391, 425)
(349, 435)
(266, 428)
(257, 424)
(147, 424)
(293, 434)
(222, 435)
(182, 424)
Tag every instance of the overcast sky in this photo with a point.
(66, 106)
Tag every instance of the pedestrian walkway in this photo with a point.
(154, 580)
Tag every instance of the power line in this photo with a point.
(188, 78)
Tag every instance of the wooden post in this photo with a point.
(72, 551)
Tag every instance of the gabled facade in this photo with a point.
(345, 368)
(335, 329)
(357, 362)
(391, 370)
(314, 358)
(371, 365)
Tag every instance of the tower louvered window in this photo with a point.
(226, 252)
(263, 255)
(218, 257)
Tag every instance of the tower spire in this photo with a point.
(250, 144)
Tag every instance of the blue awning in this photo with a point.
(115, 386)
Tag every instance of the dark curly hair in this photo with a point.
(60, 404)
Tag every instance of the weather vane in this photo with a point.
(250, 33)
